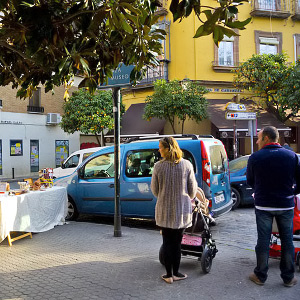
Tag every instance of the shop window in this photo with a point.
(34, 155)
(61, 151)
(16, 147)
(227, 54)
(268, 42)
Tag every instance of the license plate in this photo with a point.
(219, 198)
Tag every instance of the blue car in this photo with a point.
(241, 193)
(91, 187)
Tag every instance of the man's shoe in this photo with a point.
(167, 279)
(255, 279)
(179, 277)
(290, 283)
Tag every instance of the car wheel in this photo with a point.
(161, 255)
(236, 198)
(206, 260)
(72, 211)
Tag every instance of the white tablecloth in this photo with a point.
(36, 211)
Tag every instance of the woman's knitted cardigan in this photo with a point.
(174, 185)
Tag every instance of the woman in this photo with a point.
(174, 184)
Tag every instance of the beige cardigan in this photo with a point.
(174, 185)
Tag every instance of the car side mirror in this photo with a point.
(63, 165)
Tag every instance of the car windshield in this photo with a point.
(238, 163)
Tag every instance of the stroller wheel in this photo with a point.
(161, 255)
(206, 260)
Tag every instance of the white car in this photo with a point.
(74, 160)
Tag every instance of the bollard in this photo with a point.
(13, 173)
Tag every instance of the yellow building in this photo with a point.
(275, 27)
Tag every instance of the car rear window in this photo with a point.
(218, 159)
(238, 164)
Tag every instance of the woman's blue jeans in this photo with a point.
(264, 220)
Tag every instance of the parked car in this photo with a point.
(91, 187)
(74, 160)
(241, 193)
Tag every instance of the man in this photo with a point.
(273, 172)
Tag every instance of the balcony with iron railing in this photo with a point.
(155, 73)
(270, 8)
(295, 10)
(35, 109)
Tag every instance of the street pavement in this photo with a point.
(82, 260)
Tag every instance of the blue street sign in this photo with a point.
(121, 77)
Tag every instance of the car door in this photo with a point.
(136, 196)
(95, 185)
(219, 182)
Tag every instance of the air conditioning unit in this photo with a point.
(53, 119)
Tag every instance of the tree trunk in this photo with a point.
(172, 125)
(182, 125)
(97, 138)
(102, 139)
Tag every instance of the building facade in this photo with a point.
(30, 136)
(275, 27)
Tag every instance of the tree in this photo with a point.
(89, 113)
(273, 83)
(49, 41)
(177, 99)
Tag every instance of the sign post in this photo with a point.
(121, 77)
(237, 111)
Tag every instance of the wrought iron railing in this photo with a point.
(274, 8)
(296, 9)
(155, 73)
(35, 109)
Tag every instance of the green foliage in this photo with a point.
(49, 41)
(219, 21)
(89, 113)
(177, 99)
(273, 82)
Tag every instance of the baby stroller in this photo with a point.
(275, 246)
(197, 240)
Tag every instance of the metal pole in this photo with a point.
(116, 111)
(234, 140)
(250, 128)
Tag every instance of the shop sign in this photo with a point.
(12, 122)
(231, 106)
(240, 115)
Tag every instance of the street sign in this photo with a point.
(240, 115)
(121, 77)
(231, 106)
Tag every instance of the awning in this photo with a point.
(133, 124)
(217, 110)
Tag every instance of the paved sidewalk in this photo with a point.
(82, 260)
